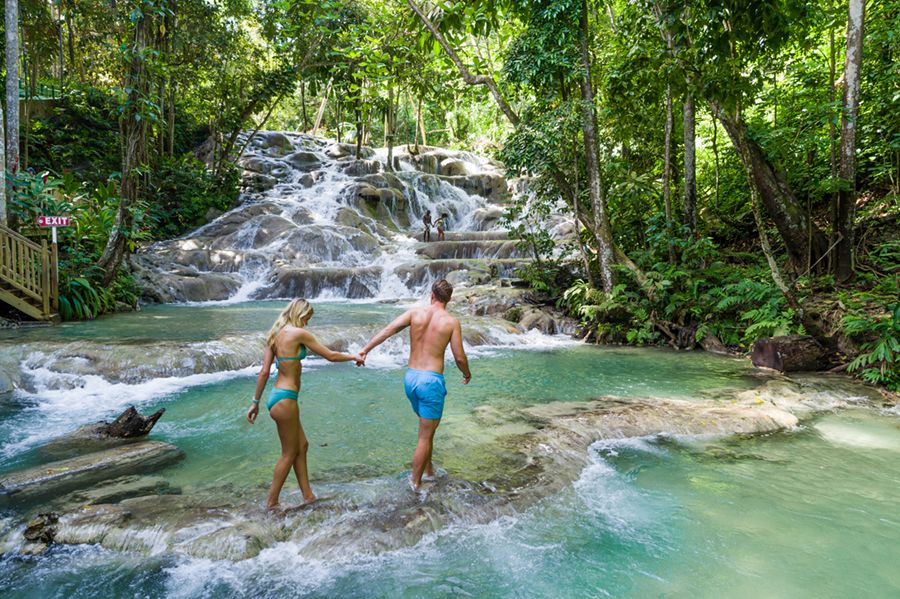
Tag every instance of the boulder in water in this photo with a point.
(343, 150)
(790, 353)
(303, 161)
(358, 168)
(490, 186)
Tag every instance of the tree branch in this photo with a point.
(468, 77)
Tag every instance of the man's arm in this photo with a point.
(396, 325)
(459, 353)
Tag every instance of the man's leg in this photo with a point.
(422, 455)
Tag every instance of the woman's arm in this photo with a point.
(315, 346)
(261, 380)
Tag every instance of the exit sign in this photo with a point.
(53, 221)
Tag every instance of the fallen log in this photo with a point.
(87, 470)
(790, 353)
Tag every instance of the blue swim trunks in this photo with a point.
(426, 391)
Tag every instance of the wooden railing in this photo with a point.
(28, 275)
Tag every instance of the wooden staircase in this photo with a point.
(28, 276)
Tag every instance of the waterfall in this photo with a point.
(318, 222)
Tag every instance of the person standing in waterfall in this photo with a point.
(431, 329)
(426, 220)
(440, 223)
(287, 344)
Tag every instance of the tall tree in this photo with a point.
(846, 204)
(12, 84)
(606, 250)
(690, 164)
(132, 125)
(667, 171)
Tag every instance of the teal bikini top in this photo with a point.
(299, 357)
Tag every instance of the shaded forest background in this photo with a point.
(733, 167)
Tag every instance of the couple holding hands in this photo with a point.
(432, 328)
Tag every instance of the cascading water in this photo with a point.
(315, 221)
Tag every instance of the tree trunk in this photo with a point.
(62, 49)
(303, 106)
(359, 129)
(802, 239)
(832, 141)
(321, 112)
(690, 169)
(605, 243)
(421, 125)
(667, 171)
(577, 212)
(171, 123)
(389, 130)
(12, 85)
(133, 139)
(468, 77)
(715, 149)
(846, 208)
(70, 34)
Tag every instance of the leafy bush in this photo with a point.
(879, 362)
(183, 190)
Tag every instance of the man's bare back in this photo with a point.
(431, 329)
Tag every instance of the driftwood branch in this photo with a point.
(130, 424)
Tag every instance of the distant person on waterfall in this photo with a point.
(440, 223)
(431, 329)
(287, 344)
(426, 220)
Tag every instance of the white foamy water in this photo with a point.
(61, 402)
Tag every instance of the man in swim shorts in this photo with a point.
(431, 329)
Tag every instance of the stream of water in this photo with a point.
(805, 513)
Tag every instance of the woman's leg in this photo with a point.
(300, 466)
(286, 414)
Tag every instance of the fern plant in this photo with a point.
(879, 362)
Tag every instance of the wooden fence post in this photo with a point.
(45, 278)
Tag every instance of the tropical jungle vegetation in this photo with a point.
(733, 168)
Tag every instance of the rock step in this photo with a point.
(87, 470)
(473, 235)
(469, 249)
(472, 271)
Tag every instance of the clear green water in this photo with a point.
(808, 513)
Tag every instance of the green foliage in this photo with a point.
(79, 299)
(183, 190)
(879, 360)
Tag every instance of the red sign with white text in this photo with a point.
(53, 221)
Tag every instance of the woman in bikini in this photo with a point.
(286, 345)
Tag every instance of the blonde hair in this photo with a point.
(297, 313)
